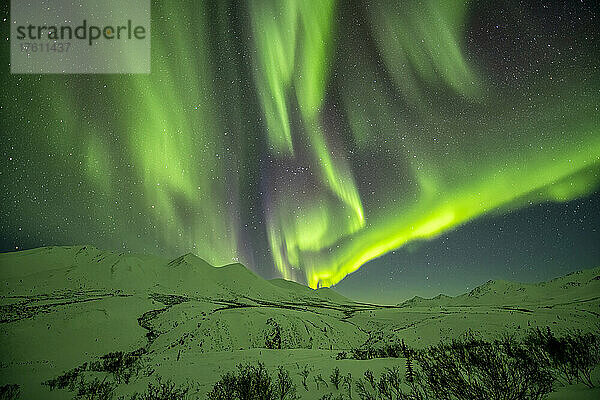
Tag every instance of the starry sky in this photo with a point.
(419, 146)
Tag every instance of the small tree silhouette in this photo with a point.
(370, 378)
(305, 373)
(336, 378)
(389, 385)
(273, 335)
(348, 384)
(319, 381)
(363, 391)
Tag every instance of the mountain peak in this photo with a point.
(188, 258)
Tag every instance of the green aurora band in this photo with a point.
(364, 137)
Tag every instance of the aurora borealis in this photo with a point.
(314, 136)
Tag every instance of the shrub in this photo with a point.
(336, 378)
(363, 392)
(585, 354)
(471, 368)
(95, 390)
(393, 350)
(163, 390)
(284, 387)
(348, 384)
(329, 396)
(465, 369)
(253, 382)
(121, 365)
(273, 335)
(320, 381)
(304, 373)
(68, 380)
(552, 352)
(370, 378)
(571, 357)
(388, 387)
(10, 392)
(225, 388)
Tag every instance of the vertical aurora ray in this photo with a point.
(178, 142)
(279, 29)
(312, 135)
(156, 158)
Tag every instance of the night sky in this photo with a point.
(434, 145)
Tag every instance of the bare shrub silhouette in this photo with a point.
(347, 381)
(471, 368)
(368, 352)
(370, 378)
(284, 387)
(304, 374)
(468, 368)
(10, 392)
(68, 380)
(388, 387)
(319, 381)
(571, 357)
(336, 378)
(123, 366)
(95, 389)
(273, 335)
(163, 390)
(252, 382)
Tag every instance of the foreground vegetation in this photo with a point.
(467, 368)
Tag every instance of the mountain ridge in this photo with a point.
(553, 289)
(129, 267)
(87, 267)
